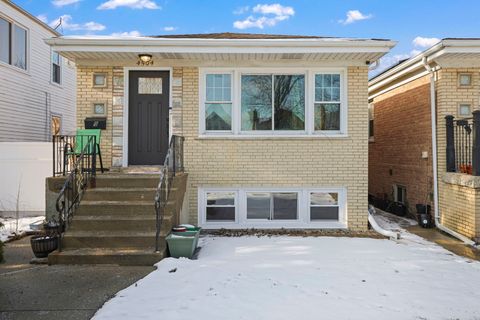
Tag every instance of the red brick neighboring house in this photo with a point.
(405, 163)
(400, 147)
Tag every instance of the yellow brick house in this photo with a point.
(275, 127)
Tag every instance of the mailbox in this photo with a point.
(96, 123)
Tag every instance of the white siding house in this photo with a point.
(37, 88)
(29, 96)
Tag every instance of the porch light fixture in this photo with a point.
(145, 59)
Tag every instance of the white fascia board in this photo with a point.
(218, 45)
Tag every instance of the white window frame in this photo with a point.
(203, 207)
(60, 64)
(341, 204)
(396, 187)
(303, 209)
(203, 102)
(309, 131)
(12, 46)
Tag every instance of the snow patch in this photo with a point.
(10, 229)
(306, 278)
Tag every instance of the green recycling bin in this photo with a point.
(184, 243)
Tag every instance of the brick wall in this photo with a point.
(402, 131)
(277, 162)
(87, 95)
(459, 205)
(281, 162)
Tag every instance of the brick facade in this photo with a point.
(459, 205)
(245, 162)
(402, 131)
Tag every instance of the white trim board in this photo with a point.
(303, 210)
(126, 78)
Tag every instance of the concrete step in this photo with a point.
(118, 256)
(119, 223)
(138, 208)
(127, 180)
(120, 194)
(109, 239)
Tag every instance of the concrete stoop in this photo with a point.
(116, 222)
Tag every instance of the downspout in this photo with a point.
(433, 113)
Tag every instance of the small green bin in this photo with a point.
(183, 244)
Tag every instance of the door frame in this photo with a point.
(126, 106)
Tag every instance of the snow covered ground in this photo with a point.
(10, 226)
(306, 278)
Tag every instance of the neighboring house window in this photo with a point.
(13, 44)
(272, 102)
(56, 67)
(400, 193)
(220, 206)
(327, 102)
(5, 42)
(324, 206)
(371, 118)
(256, 102)
(464, 79)
(218, 102)
(464, 110)
(56, 125)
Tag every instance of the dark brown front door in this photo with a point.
(148, 117)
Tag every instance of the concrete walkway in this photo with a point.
(57, 292)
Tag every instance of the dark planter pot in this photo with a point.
(43, 245)
(53, 228)
(398, 209)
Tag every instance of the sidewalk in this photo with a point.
(57, 292)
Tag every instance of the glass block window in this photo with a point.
(464, 110)
(327, 102)
(324, 206)
(218, 102)
(465, 79)
(100, 80)
(220, 206)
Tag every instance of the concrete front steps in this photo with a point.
(116, 222)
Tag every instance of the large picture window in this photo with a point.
(259, 102)
(13, 44)
(273, 102)
(218, 102)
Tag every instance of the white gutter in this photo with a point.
(433, 114)
(387, 233)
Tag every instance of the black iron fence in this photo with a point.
(82, 173)
(463, 144)
(173, 163)
(62, 165)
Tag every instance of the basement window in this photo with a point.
(220, 206)
(400, 193)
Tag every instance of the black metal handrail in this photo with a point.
(463, 144)
(82, 174)
(173, 163)
(61, 145)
